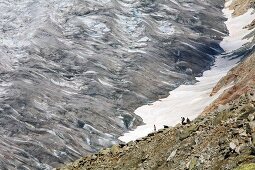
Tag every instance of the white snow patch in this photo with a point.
(235, 25)
(184, 101)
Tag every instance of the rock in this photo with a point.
(140, 166)
(249, 166)
(232, 146)
(188, 131)
(222, 141)
(166, 130)
(145, 157)
(126, 148)
(151, 134)
(202, 159)
(76, 164)
(252, 126)
(244, 115)
(238, 149)
(239, 123)
(239, 131)
(192, 164)
(243, 134)
(248, 128)
(144, 138)
(221, 108)
(171, 155)
(197, 141)
(251, 117)
(115, 149)
(131, 143)
(253, 138)
(116, 167)
(93, 157)
(121, 154)
(244, 149)
(139, 139)
(122, 145)
(161, 130)
(184, 135)
(148, 139)
(105, 151)
(235, 131)
(189, 71)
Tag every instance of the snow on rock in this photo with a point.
(235, 25)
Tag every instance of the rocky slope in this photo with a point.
(73, 72)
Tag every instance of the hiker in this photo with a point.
(188, 121)
(183, 121)
(155, 129)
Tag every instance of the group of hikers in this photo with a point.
(184, 122)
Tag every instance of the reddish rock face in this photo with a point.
(241, 6)
(243, 79)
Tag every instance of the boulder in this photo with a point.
(192, 164)
(93, 157)
(105, 151)
(188, 131)
(131, 143)
(252, 126)
(115, 149)
(151, 134)
(251, 117)
(250, 166)
(126, 148)
(253, 138)
(171, 155)
(232, 146)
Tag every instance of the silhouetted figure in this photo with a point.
(188, 121)
(183, 121)
(155, 129)
(165, 126)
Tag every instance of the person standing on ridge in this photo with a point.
(183, 121)
(155, 129)
(188, 121)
